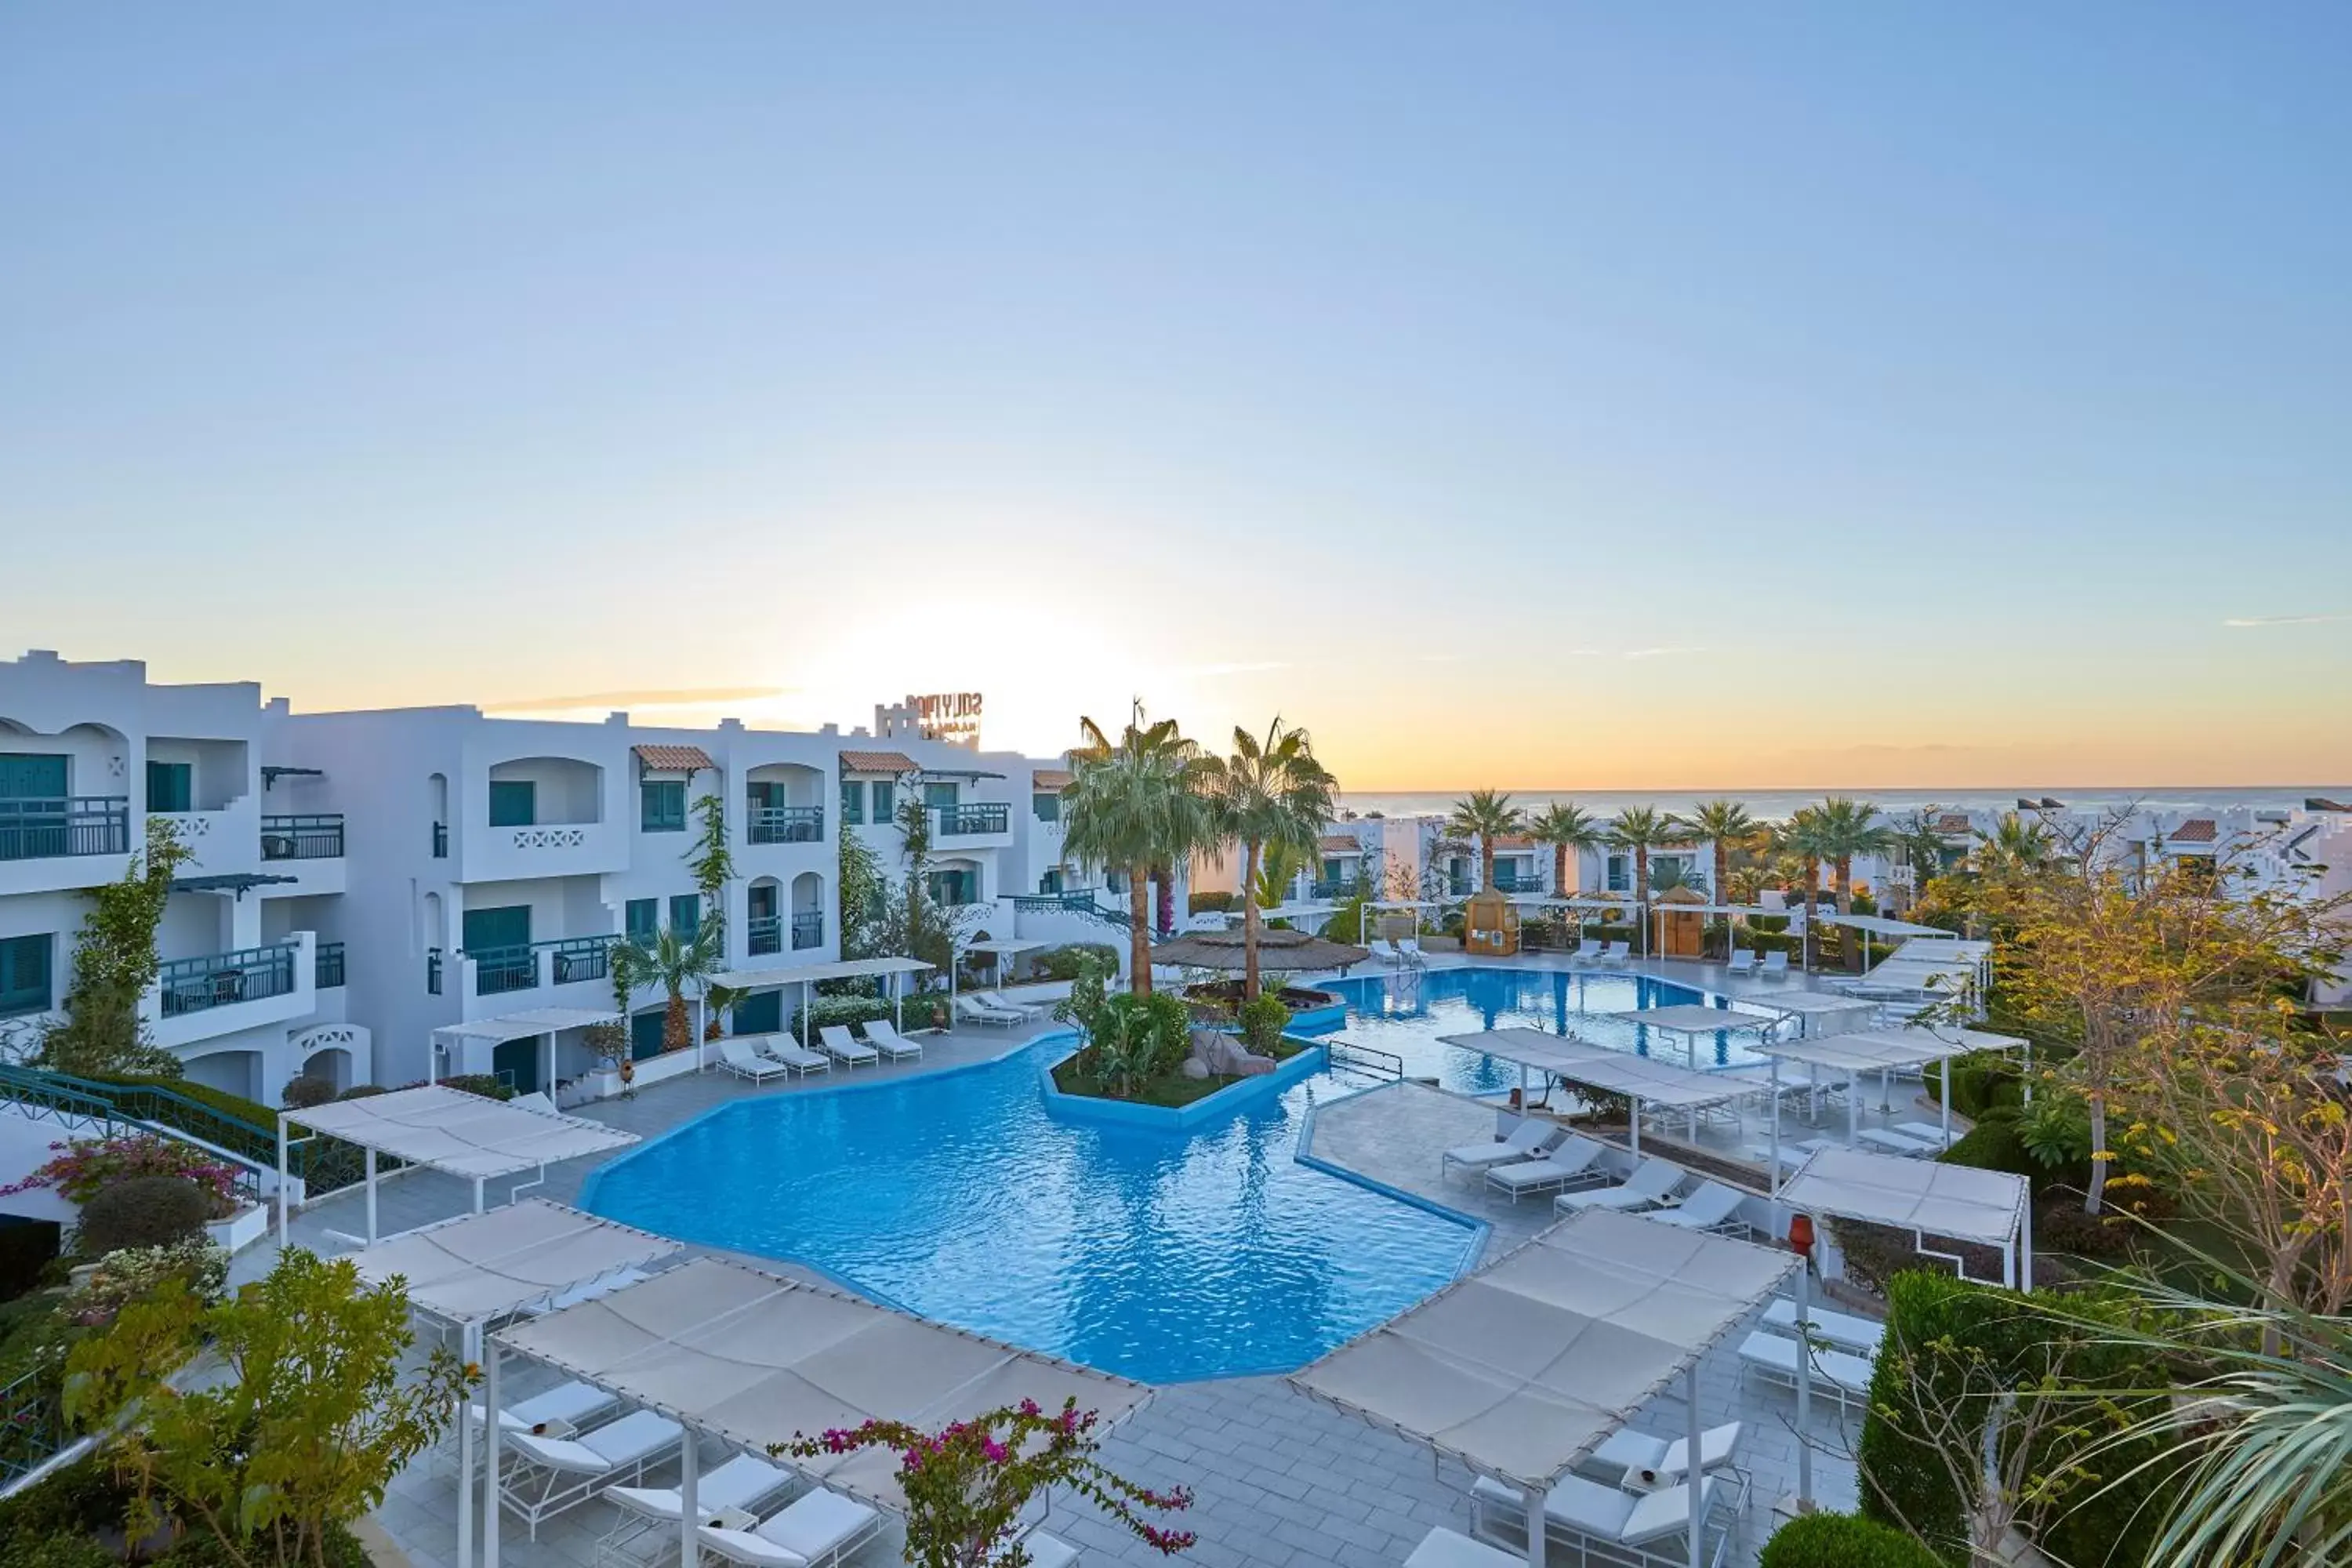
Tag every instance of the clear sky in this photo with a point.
(1625, 397)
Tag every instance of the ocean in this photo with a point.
(1779, 803)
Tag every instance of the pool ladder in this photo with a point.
(1365, 1058)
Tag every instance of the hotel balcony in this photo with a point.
(973, 825)
(308, 849)
(566, 971)
(210, 995)
(52, 842)
(785, 825)
(487, 854)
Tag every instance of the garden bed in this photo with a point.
(1172, 1100)
(1310, 1009)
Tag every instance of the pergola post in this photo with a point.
(489, 1454)
(472, 1339)
(1635, 1101)
(689, 1512)
(1694, 1470)
(477, 1195)
(1537, 1544)
(1772, 1110)
(1805, 1380)
(283, 1199)
(371, 1195)
(2025, 1242)
(1947, 1101)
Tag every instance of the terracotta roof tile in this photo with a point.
(673, 759)
(1049, 779)
(1515, 841)
(879, 762)
(1339, 844)
(1952, 822)
(2196, 830)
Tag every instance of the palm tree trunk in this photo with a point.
(1139, 932)
(1813, 897)
(1485, 863)
(1721, 891)
(675, 1035)
(1249, 922)
(1641, 891)
(1559, 871)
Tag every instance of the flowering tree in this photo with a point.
(966, 1485)
(82, 1169)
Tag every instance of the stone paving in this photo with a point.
(1280, 1481)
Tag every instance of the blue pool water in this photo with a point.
(1405, 1011)
(1161, 1256)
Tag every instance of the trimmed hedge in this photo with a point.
(827, 1010)
(1204, 903)
(1994, 1144)
(1062, 962)
(1843, 1541)
(145, 1211)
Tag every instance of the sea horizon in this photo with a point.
(1783, 803)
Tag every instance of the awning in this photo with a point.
(1822, 1014)
(878, 763)
(463, 1134)
(1646, 1078)
(1927, 1196)
(673, 759)
(1523, 1368)
(755, 1360)
(522, 1026)
(809, 974)
(1869, 1051)
(238, 882)
(1879, 925)
(1003, 947)
(479, 1267)
(1693, 1019)
(1051, 781)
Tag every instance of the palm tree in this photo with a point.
(1135, 804)
(674, 963)
(1811, 846)
(2015, 848)
(1726, 825)
(1643, 828)
(1669, 874)
(1268, 794)
(1485, 815)
(1850, 827)
(1566, 827)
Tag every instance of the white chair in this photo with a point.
(741, 1061)
(884, 1037)
(570, 1405)
(1408, 949)
(1591, 1518)
(1569, 1165)
(741, 1483)
(1385, 951)
(1615, 954)
(1774, 967)
(1646, 1463)
(1652, 1184)
(1443, 1547)
(549, 1475)
(973, 1010)
(1928, 1133)
(1844, 1378)
(1527, 1141)
(791, 1053)
(1585, 952)
(1839, 1331)
(1003, 1004)
(818, 1527)
(1714, 1207)
(1743, 961)
(838, 1044)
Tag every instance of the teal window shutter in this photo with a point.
(661, 805)
(686, 914)
(853, 801)
(25, 973)
(646, 1033)
(169, 786)
(32, 775)
(939, 795)
(644, 918)
(514, 803)
(886, 800)
(1048, 807)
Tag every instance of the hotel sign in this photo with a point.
(949, 716)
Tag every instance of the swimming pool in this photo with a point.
(1405, 1011)
(1161, 1255)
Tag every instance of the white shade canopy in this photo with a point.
(479, 1267)
(809, 974)
(1003, 947)
(522, 1026)
(1597, 1066)
(463, 1134)
(1822, 1014)
(1690, 1018)
(1925, 1197)
(1868, 1050)
(1880, 925)
(1521, 1369)
(756, 1359)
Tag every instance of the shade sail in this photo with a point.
(1880, 925)
(757, 1360)
(809, 974)
(1524, 1367)
(1693, 1019)
(1597, 1066)
(1974, 1040)
(1003, 947)
(1868, 1050)
(478, 1267)
(1923, 1196)
(463, 1134)
(521, 1025)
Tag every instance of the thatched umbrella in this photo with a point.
(1286, 952)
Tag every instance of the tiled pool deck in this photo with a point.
(1280, 1481)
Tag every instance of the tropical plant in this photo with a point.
(1667, 876)
(677, 964)
(1135, 804)
(1083, 1003)
(1269, 794)
(1808, 841)
(1263, 1018)
(84, 1167)
(2056, 1128)
(115, 960)
(864, 903)
(1569, 829)
(711, 861)
(2015, 848)
(309, 1425)
(716, 1000)
(1643, 828)
(1277, 872)
(1484, 815)
(1848, 828)
(608, 1041)
(1727, 826)
(967, 1485)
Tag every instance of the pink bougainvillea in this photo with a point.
(82, 1169)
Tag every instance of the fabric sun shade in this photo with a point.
(1869, 1051)
(1924, 1195)
(1691, 1019)
(478, 1267)
(1880, 925)
(1596, 1066)
(463, 1134)
(1520, 1370)
(757, 1360)
(521, 1025)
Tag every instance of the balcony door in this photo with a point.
(487, 929)
(30, 776)
(517, 1063)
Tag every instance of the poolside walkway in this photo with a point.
(1280, 1481)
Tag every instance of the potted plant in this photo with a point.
(610, 1041)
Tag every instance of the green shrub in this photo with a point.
(482, 1083)
(1062, 962)
(144, 1211)
(339, 1548)
(1263, 1021)
(1994, 1144)
(1200, 903)
(829, 1010)
(1775, 941)
(362, 1090)
(303, 1091)
(1843, 1541)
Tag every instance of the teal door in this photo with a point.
(646, 1033)
(25, 975)
(487, 929)
(936, 796)
(170, 786)
(759, 902)
(517, 1062)
(29, 775)
(762, 1012)
(513, 804)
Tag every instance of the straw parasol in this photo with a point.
(1287, 951)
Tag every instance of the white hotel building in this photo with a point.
(365, 879)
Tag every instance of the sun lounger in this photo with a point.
(1585, 952)
(1775, 966)
(741, 1483)
(741, 1061)
(1003, 1004)
(1743, 961)
(1527, 1141)
(1569, 1164)
(547, 1475)
(1648, 1462)
(1887, 1142)
(563, 1409)
(790, 1052)
(1651, 1184)
(1385, 951)
(1443, 1547)
(972, 1009)
(838, 1044)
(1408, 949)
(1839, 1331)
(1714, 1207)
(884, 1037)
(1591, 1517)
(1928, 1133)
(1773, 1358)
(1616, 953)
(819, 1528)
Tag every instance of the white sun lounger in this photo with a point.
(1773, 1358)
(547, 1475)
(1887, 1142)
(1840, 1331)
(838, 1044)
(1589, 1516)
(1775, 965)
(1385, 951)
(1648, 1462)
(569, 1404)
(1570, 1163)
(740, 1059)
(1652, 1184)
(816, 1528)
(791, 1053)
(1408, 949)
(1443, 1547)
(1527, 1141)
(973, 1010)
(1003, 1004)
(1614, 952)
(1928, 1133)
(1714, 1207)
(1743, 961)
(884, 1037)
(742, 1482)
